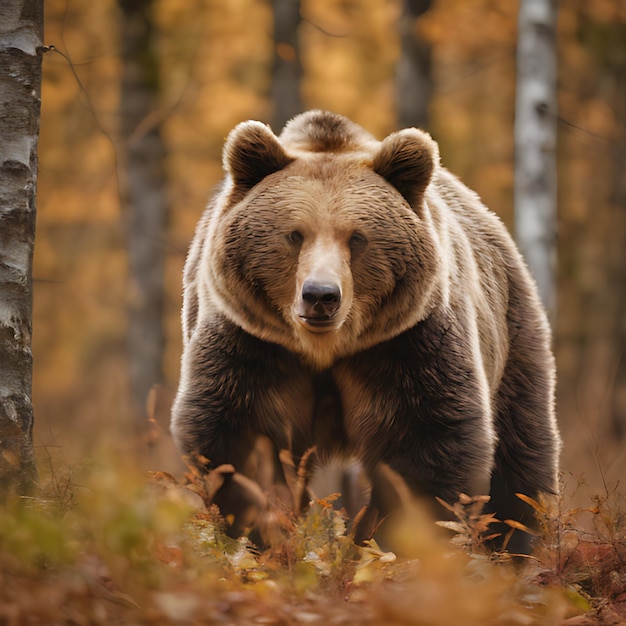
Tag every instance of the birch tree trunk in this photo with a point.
(143, 196)
(21, 33)
(535, 144)
(414, 84)
(287, 77)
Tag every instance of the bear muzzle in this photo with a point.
(319, 304)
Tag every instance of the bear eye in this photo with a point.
(357, 241)
(295, 237)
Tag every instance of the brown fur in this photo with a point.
(428, 351)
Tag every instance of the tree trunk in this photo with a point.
(143, 196)
(21, 33)
(535, 144)
(619, 271)
(618, 408)
(414, 84)
(286, 97)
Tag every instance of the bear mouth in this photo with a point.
(319, 323)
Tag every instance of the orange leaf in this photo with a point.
(519, 526)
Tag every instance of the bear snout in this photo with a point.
(320, 302)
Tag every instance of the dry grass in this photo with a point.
(103, 544)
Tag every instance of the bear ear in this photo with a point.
(251, 153)
(407, 160)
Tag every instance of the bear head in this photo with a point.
(321, 239)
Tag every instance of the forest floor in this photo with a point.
(106, 544)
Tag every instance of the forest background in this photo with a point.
(213, 64)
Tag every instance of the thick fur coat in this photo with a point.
(354, 295)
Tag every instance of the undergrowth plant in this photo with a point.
(102, 544)
(583, 550)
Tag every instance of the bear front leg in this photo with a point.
(235, 388)
(212, 418)
(420, 405)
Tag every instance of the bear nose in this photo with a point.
(320, 299)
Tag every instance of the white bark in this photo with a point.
(535, 141)
(21, 30)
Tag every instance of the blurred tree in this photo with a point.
(414, 84)
(21, 33)
(612, 39)
(143, 195)
(287, 76)
(618, 410)
(535, 143)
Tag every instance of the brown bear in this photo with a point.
(353, 295)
